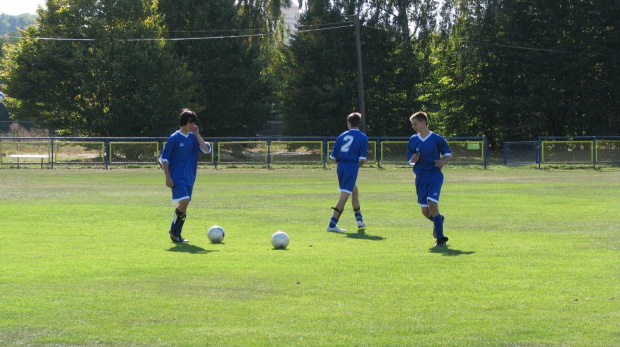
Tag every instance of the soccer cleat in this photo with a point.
(361, 224)
(441, 242)
(173, 236)
(335, 229)
(181, 239)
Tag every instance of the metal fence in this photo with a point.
(579, 150)
(227, 152)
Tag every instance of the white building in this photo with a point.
(291, 16)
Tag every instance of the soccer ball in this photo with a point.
(279, 240)
(1, 97)
(215, 234)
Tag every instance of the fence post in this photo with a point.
(539, 152)
(594, 152)
(486, 152)
(505, 153)
(268, 153)
(52, 154)
(216, 152)
(106, 144)
(379, 153)
(325, 150)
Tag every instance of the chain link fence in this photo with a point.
(227, 152)
(521, 153)
(465, 151)
(608, 151)
(371, 156)
(584, 150)
(79, 153)
(297, 153)
(283, 152)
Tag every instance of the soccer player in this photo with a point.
(179, 161)
(350, 151)
(428, 152)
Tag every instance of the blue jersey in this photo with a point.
(181, 154)
(430, 149)
(351, 146)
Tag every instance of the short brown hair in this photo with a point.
(187, 116)
(419, 116)
(355, 119)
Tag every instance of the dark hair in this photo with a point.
(355, 119)
(187, 116)
(419, 116)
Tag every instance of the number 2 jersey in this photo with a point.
(181, 154)
(351, 146)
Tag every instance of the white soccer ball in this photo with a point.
(215, 234)
(279, 240)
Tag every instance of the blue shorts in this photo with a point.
(347, 176)
(181, 192)
(428, 186)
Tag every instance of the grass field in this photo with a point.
(533, 260)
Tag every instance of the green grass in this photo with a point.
(532, 260)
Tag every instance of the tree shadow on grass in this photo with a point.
(187, 248)
(363, 236)
(449, 252)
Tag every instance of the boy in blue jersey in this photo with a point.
(428, 153)
(350, 151)
(179, 161)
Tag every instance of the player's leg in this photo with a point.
(181, 196)
(421, 188)
(181, 213)
(433, 203)
(342, 200)
(426, 212)
(355, 201)
(346, 183)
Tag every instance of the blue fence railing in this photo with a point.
(227, 151)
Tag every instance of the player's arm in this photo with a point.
(166, 168)
(335, 151)
(364, 152)
(205, 147)
(412, 158)
(163, 160)
(443, 161)
(446, 154)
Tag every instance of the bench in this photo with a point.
(29, 156)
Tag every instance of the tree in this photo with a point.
(232, 91)
(516, 69)
(105, 85)
(320, 74)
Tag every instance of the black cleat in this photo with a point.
(441, 242)
(173, 236)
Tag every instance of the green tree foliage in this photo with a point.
(516, 69)
(106, 85)
(233, 96)
(506, 69)
(320, 68)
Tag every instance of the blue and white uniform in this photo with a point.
(181, 154)
(429, 178)
(350, 148)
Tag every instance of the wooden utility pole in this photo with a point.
(360, 76)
